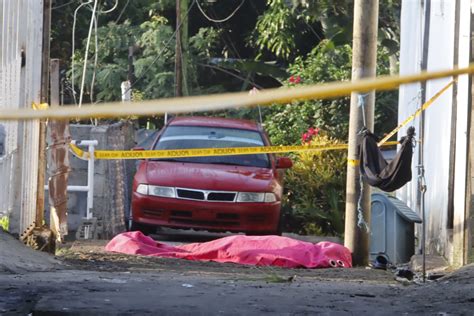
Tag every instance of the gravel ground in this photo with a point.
(85, 280)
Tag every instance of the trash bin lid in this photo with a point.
(401, 208)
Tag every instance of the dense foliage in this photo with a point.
(315, 189)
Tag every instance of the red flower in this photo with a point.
(309, 135)
(304, 138)
(313, 131)
(294, 80)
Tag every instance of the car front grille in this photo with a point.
(221, 196)
(190, 194)
(202, 195)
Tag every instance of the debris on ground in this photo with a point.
(104, 283)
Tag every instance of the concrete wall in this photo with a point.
(112, 178)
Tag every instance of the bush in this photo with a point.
(4, 223)
(314, 202)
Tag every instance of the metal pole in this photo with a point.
(363, 65)
(421, 131)
(90, 181)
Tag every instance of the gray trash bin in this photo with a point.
(392, 228)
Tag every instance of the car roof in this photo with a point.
(215, 122)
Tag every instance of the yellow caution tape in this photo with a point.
(39, 106)
(204, 152)
(356, 162)
(230, 100)
(417, 113)
(79, 152)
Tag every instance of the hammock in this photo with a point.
(377, 172)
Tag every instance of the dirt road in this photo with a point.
(87, 281)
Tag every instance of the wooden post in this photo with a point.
(364, 64)
(183, 31)
(178, 60)
(42, 127)
(59, 160)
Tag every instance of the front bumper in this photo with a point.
(212, 216)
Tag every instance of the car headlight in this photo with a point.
(156, 190)
(142, 189)
(256, 197)
(168, 192)
(270, 197)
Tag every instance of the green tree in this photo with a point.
(285, 28)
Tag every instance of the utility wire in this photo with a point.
(74, 47)
(63, 5)
(226, 35)
(123, 10)
(312, 29)
(81, 93)
(94, 23)
(162, 51)
(96, 55)
(96, 48)
(219, 20)
(111, 9)
(231, 73)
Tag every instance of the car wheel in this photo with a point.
(145, 229)
(279, 230)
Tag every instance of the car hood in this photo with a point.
(212, 177)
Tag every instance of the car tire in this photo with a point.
(279, 230)
(145, 229)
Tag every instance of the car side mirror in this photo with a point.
(284, 163)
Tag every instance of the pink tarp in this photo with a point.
(251, 250)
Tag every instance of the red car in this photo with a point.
(222, 193)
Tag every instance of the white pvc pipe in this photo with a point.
(73, 188)
(90, 181)
(84, 142)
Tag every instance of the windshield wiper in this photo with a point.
(229, 163)
(167, 159)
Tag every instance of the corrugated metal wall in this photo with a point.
(438, 123)
(439, 126)
(21, 27)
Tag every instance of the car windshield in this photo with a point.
(184, 137)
